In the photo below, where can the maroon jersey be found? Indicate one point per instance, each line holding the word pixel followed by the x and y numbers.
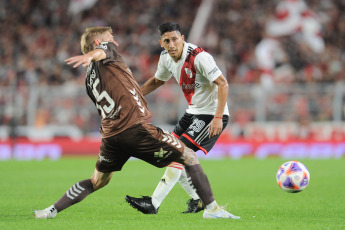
pixel 116 94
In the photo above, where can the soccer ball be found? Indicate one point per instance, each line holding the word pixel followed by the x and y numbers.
pixel 293 176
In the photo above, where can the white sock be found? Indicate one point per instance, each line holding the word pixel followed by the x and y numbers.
pixel 187 185
pixel 52 210
pixel 169 179
pixel 212 206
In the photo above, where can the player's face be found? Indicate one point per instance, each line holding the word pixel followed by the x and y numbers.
pixel 173 43
pixel 108 37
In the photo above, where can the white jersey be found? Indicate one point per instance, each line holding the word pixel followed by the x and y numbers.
pixel 195 73
pixel 268 52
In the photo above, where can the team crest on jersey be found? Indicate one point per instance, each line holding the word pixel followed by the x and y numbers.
pixel 189 72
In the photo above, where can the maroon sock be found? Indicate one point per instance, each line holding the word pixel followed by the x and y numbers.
pixel 75 194
pixel 200 183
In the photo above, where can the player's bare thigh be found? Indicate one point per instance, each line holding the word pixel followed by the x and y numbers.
pixel 188 158
pixel 99 179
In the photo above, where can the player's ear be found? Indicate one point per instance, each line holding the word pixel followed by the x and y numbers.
pixel 160 42
pixel 182 36
pixel 97 42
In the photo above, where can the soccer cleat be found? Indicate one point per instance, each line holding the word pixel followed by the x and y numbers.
pixel 48 213
pixel 194 206
pixel 219 213
pixel 143 204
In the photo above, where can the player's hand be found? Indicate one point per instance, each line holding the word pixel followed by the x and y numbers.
pixel 216 127
pixel 83 60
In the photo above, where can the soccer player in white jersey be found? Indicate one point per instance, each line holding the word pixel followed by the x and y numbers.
pixel 205 89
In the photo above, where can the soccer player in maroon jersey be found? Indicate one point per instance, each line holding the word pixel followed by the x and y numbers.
pixel 205 89
pixel 123 110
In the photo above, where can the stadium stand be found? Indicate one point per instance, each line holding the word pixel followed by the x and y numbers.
pixel 38 91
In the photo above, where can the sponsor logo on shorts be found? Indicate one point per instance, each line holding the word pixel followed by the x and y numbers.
pixel 102 158
pixel 160 153
pixel 191 132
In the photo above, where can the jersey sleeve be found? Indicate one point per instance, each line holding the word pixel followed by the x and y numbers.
pixel 110 50
pixel 162 72
pixel 206 66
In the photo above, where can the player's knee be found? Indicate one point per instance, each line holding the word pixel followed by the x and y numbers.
pixel 172 174
pixel 189 157
pixel 99 183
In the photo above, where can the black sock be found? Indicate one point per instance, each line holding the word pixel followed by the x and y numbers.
pixel 200 183
pixel 75 194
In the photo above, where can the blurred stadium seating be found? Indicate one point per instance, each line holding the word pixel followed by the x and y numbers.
pixel 42 98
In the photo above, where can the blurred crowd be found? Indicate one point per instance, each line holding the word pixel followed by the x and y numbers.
pixel 38 35
pixel 304 39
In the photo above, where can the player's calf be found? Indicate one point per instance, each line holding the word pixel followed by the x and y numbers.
pixel 196 176
pixel 73 195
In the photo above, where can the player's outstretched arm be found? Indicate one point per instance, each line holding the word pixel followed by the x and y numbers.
pixel 86 59
pixel 150 85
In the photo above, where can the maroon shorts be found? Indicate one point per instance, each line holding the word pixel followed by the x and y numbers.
pixel 143 141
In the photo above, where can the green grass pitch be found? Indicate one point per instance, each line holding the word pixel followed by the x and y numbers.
pixel 248 186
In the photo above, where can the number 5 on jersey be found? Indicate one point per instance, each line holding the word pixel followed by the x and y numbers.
pixel 99 97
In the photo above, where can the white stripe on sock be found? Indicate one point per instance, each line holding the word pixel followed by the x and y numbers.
pixel 187 185
pixel 76 190
pixel 69 196
pixel 71 191
pixel 79 187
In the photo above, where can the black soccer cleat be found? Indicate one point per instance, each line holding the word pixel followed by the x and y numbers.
pixel 194 206
pixel 143 204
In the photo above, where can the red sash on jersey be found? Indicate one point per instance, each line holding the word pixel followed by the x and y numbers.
pixel 188 74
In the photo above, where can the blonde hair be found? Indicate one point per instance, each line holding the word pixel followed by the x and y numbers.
pixel 87 40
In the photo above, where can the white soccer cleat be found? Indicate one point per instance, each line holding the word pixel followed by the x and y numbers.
pixel 48 213
pixel 219 213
